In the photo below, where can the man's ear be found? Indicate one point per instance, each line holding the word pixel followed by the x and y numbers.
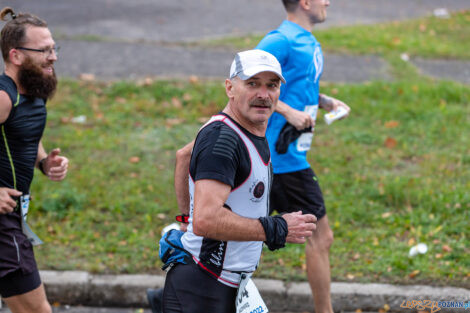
pixel 229 88
pixel 15 57
pixel 304 4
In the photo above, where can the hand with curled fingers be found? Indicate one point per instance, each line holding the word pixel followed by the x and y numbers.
pixel 299 119
pixel 55 166
pixel 7 203
pixel 300 226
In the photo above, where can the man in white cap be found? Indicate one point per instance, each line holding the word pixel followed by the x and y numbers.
pixel 229 183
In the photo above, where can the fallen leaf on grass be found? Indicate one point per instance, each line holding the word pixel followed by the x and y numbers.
pixel 390 143
pixel 134 159
pixel 87 77
pixel 193 79
pixel 176 103
pixel 386 214
pixel 202 119
pixel 414 274
pixel 187 97
pixel 446 248
pixel 392 124
pixel 120 100
pixel 169 122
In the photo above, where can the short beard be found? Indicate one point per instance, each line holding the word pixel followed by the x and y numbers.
pixel 35 83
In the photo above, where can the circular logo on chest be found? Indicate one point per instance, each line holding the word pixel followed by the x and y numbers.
pixel 258 191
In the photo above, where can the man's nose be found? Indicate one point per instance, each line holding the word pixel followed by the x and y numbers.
pixel 52 56
pixel 263 92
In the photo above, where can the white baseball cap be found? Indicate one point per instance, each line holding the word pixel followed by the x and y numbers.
pixel 251 62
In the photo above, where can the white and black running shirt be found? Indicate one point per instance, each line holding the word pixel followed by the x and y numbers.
pixel 226 152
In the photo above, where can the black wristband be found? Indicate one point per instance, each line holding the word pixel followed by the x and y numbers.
pixel 275 228
pixel 41 165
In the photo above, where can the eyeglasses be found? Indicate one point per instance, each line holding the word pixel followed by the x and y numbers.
pixel 46 52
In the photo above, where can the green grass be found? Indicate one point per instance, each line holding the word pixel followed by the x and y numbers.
pixel 430 37
pixel 396 172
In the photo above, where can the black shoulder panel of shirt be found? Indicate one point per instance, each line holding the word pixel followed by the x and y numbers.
pixel 220 154
pixel 260 143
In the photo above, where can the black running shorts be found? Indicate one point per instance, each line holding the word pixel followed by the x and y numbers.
pixel 189 290
pixel 16 251
pixel 296 191
pixel 17 283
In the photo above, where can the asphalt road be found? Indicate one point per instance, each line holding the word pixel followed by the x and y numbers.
pixel 121 39
pixel 188 20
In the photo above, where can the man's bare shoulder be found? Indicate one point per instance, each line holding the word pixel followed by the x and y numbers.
pixel 5 106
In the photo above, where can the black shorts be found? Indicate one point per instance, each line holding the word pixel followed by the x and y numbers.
pixel 296 191
pixel 16 251
pixel 17 283
pixel 188 289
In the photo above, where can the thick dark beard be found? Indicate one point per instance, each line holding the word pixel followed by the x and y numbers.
pixel 35 83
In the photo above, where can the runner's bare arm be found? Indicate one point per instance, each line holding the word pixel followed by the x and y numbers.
pixel 5 106
pixel 298 119
pixel 211 219
pixel 329 104
pixel 183 157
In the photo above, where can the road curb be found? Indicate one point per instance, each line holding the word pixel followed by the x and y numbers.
pixel 82 288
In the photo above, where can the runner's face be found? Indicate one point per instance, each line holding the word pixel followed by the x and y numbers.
pixel 317 11
pixel 40 38
pixel 255 99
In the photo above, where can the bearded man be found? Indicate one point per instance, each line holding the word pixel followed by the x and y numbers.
pixel 29 53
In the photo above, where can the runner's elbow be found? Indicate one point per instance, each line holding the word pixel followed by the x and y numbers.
pixel 201 225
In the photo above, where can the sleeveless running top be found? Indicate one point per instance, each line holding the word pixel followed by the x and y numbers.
pixel 19 137
pixel 225 260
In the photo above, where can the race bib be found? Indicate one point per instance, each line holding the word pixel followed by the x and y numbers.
pixel 305 140
pixel 248 298
pixel 32 237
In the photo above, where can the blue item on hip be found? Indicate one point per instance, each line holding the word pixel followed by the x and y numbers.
pixel 171 250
